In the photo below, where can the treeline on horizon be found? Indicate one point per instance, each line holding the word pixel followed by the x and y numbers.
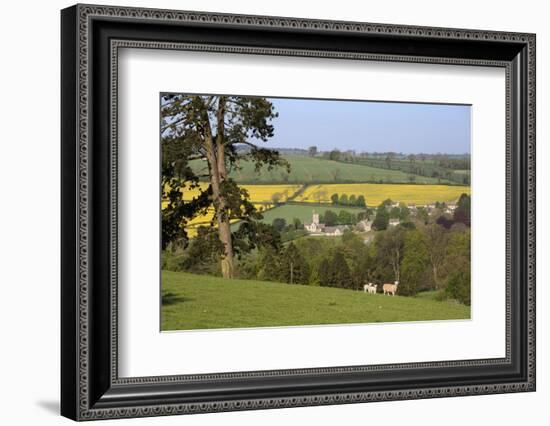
pixel 313 151
pixel 426 251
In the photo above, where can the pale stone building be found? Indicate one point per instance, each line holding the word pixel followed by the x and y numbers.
pixel 314 227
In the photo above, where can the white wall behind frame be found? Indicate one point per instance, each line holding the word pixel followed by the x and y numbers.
pixel 29 364
pixel 145 352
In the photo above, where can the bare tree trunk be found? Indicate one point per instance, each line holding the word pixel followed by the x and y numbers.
pixel 227 261
pixel 434 271
pixel 224 228
pixel 436 244
pixel 224 225
pixel 215 153
pixel 396 259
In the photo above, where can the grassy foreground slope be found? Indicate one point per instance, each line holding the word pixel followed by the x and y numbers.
pixel 192 301
pixel 307 170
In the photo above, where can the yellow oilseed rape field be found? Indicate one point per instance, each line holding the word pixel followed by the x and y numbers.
pixel 375 193
pixel 205 219
pixel 257 193
pixel 260 195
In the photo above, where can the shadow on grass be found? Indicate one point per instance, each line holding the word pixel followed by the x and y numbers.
pixel 172 299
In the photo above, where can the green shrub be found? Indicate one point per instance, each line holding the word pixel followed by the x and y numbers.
pixel 458 287
pixel 172 260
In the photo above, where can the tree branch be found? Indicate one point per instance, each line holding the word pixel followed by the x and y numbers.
pixel 173 124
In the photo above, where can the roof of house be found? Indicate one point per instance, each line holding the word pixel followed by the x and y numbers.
pixel 331 229
pixel 320 225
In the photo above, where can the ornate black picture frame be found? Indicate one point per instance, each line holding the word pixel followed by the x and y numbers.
pixel 91 387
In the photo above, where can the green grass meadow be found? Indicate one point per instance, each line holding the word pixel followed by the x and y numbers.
pixel 308 170
pixel 191 302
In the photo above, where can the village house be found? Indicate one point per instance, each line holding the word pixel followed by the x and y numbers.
pixel 316 228
pixel 393 222
pixel 430 207
pixel 450 208
pixel 334 231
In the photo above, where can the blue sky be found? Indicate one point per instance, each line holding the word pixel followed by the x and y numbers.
pixel 371 126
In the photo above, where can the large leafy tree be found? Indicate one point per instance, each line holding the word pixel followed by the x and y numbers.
pixel 339 271
pixel 414 264
pixel 219 132
pixel 458 267
pixel 269 264
pixel 293 267
pixel 462 212
pixel 436 238
pixel 458 286
pixel 382 218
pixel 330 218
pixel 324 273
pixel 390 249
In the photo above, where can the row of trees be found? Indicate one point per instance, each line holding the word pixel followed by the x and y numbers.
pixel 408 218
pixel 440 166
pixel 343 200
pixel 454 162
pixel 329 218
pixel 429 258
pixel 425 257
pixel 344 217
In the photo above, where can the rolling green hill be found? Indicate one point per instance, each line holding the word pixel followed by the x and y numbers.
pixel 191 302
pixel 317 170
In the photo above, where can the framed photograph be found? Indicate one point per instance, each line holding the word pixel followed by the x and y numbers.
pixel 263 212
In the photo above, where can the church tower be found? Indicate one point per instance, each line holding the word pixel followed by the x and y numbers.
pixel 316 218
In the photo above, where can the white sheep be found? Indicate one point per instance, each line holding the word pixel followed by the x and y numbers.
pixel 370 288
pixel 390 288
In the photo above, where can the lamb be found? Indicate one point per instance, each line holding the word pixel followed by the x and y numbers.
pixel 370 288
pixel 390 288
